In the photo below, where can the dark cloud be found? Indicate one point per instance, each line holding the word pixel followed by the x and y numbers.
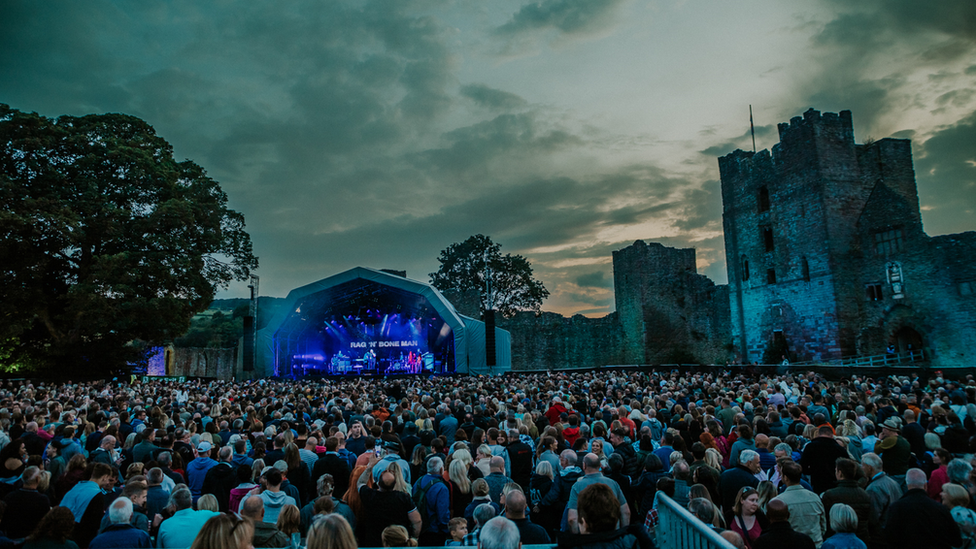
pixel 956 98
pixel 503 138
pixel 702 208
pixel 556 21
pixel 492 98
pixel 603 302
pixel 764 134
pixel 867 53
pixel 597 279
pixel 945 170
pixel 564 16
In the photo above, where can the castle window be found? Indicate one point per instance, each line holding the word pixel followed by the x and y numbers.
pixel 889 241
pixel 767 234
pixel 745 268
pixel 805 267
pixel 763 199
pixel 874 292
pixel 771 276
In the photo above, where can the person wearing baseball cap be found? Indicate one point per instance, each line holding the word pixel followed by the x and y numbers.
pixel 390 453
pixel 196 470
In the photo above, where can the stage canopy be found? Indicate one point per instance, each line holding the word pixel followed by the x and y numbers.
pixel 364 321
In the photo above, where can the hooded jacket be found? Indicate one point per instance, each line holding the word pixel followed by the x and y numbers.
pixel 219 481
pixel 273 502
pixel 196 472
pixel 268 535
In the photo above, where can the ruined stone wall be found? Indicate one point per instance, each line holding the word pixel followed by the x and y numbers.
pixel 668 312
pixel 199 362
pixel 552 341
pixel 827 200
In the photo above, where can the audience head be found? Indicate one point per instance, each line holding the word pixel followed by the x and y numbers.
pixel 598 508
pixel 331 532
pixel 843 519
pixel 225 531
pixel 499 533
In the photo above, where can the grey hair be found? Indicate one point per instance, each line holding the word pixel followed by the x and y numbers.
pixel 165 459
pixel 181 498
pixel 873 461
pixel 154 476
pixel 746 456
pixel 31 474
pixel 499 533
pixel 702 509
pixel 484 512
pixel 120 512
pixel 783 447
pixel 544 468
pixel 843 519
pixel 958 471
pixel 915 477
pixel 435 466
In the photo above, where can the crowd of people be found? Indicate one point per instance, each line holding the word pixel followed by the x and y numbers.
pixel 582 460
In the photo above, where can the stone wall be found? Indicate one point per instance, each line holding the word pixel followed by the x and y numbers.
pixel 200 362
pixel 552 341
pixel 802 229
pixel 668 312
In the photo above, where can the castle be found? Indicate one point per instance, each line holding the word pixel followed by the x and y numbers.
pixel 826 254
pixel 826 259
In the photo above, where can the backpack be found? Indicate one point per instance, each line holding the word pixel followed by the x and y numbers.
pixel 420 500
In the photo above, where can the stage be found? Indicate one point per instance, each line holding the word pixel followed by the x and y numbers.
pixel 364 322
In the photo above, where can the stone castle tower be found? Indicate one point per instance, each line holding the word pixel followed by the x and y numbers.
pixel 827 256
pixel 668 313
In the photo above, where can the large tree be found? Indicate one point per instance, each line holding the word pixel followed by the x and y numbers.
pixel 466 265
pixel 105 239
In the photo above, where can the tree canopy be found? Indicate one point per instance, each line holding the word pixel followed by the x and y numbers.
pixel 466 265
pixel 105 239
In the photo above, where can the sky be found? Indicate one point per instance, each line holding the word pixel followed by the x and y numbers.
pixel 377 133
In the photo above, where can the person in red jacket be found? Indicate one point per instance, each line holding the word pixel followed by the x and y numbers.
pixel 572 432
pixel 555 410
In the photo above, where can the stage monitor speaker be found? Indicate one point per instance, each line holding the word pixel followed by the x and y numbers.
pixel 490 337
pixel 248 343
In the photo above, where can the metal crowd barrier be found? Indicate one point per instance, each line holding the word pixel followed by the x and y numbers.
pixel 679 529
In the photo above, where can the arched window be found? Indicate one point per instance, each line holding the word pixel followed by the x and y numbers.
pixel 806 270
pixel 745 268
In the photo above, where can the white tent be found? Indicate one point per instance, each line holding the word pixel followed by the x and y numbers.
pixel 362 285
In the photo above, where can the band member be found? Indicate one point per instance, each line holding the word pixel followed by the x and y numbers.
pixel 370 359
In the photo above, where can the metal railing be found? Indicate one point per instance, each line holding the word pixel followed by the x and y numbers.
pixel 876 361
pixel 679 529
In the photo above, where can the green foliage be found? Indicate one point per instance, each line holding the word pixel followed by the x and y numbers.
pixel 219 331
pixel 464 266
pixel 105 239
